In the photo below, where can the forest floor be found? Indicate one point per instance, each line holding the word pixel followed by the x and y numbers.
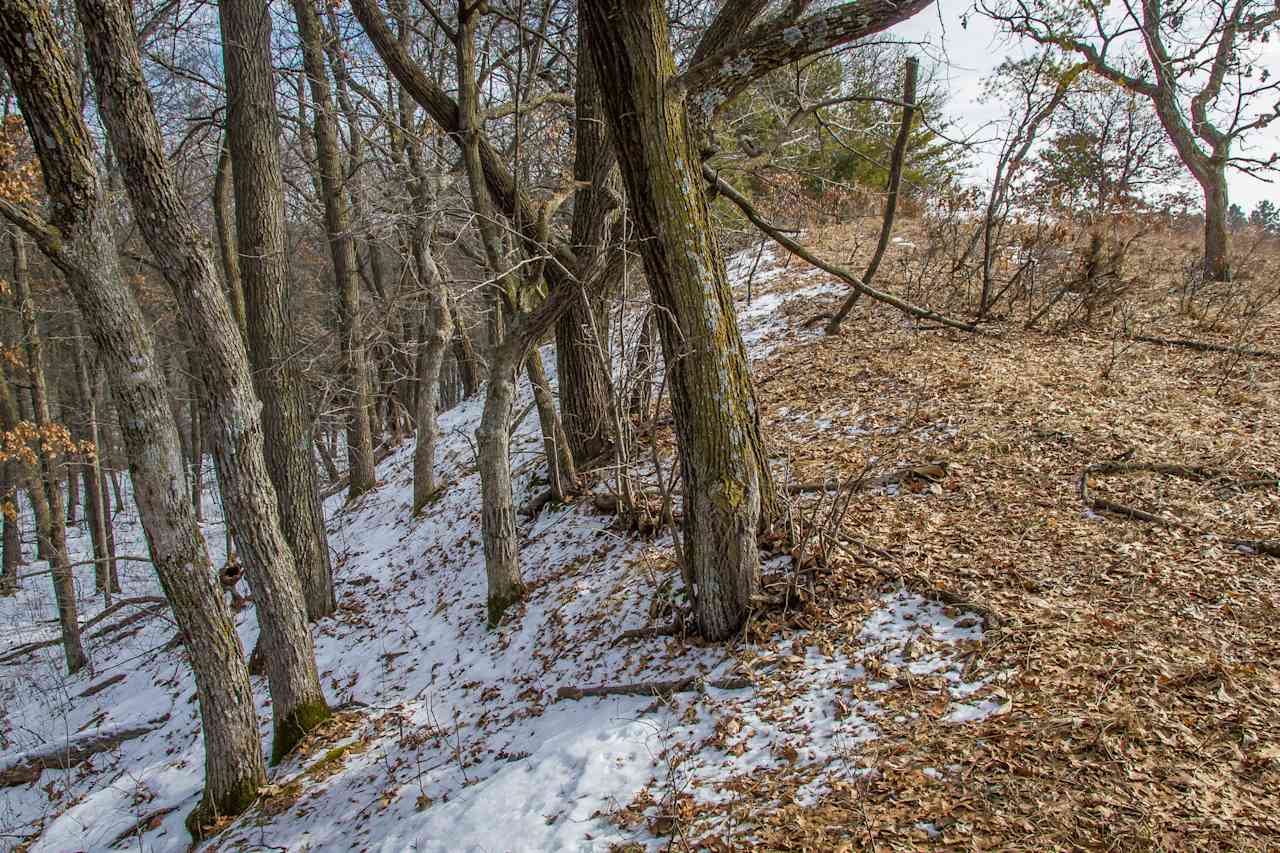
pixel 980 661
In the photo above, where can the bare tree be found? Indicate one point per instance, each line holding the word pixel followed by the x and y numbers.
pixel 124 103
pixel 78 240
pixel 1197 62
pixel 252 130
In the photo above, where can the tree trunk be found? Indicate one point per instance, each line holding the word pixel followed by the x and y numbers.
pixel 253 130
pixel 464 354
pixel 562 474
pixel 436 327
pixel 230 408
pixel 646 364
pixel 1217 236
pixel 728 489
pixel 79 241
pixel 228 252
pixel 342 250
pixel 11 540
pixel 497 514
pixel 105 483
pixel 197 450
pixel 71 472
pixel 92 472
pixel 53 529
pixel 582 346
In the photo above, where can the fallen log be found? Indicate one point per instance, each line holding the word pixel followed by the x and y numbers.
pixel 25 768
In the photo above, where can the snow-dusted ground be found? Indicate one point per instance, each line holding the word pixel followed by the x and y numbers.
pixel 460 742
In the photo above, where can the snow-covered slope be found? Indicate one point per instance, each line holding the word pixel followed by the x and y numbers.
pixel 453 736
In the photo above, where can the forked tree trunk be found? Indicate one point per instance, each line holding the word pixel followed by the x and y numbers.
pixel 253 131
pixel 728 489
pixel 230 407
pixel 79 241
pixel 52 529
pixel 342 251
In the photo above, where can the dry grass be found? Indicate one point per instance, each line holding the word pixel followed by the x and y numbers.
pixel 1141 663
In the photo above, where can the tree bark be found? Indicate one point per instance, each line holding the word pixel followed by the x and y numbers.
pixel 728 488
pixel 582 347
pixel 437 325
pixel 253 131
pixel 92 473
pixel 342 250
pixel 1217 236
pixel 53 530
pixel 497 514
pixel 230 408
pixel 228 251
pixel 11 540
pixel 562 473
pixel 79 241
pixel 107 514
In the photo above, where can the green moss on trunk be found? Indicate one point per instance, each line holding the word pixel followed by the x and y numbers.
pixel 498 605
pixel 206 815
pixel 292 727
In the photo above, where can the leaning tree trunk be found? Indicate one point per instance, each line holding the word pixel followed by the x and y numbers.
pixel 342 250
pixel 253 131
pixel 728 490
pixel 230 408
pixel 53 529
pixel 79 241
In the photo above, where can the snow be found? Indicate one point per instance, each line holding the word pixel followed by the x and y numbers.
pixel 459 742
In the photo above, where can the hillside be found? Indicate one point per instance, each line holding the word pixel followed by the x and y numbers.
pixel 979 660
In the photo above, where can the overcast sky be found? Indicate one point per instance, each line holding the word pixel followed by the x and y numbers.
pixel 969 54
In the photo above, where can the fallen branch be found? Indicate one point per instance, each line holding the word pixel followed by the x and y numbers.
pixel 1205 346
pixel 25 768
pixel 155 601
pixel 725 189
pixel 930 472
pixel 661 689
pixel 143 823
pixel 102 685
pixel 1270 547
pixel 669 630
pixel 86 563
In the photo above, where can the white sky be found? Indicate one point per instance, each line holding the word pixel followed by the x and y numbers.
pixel 968 55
